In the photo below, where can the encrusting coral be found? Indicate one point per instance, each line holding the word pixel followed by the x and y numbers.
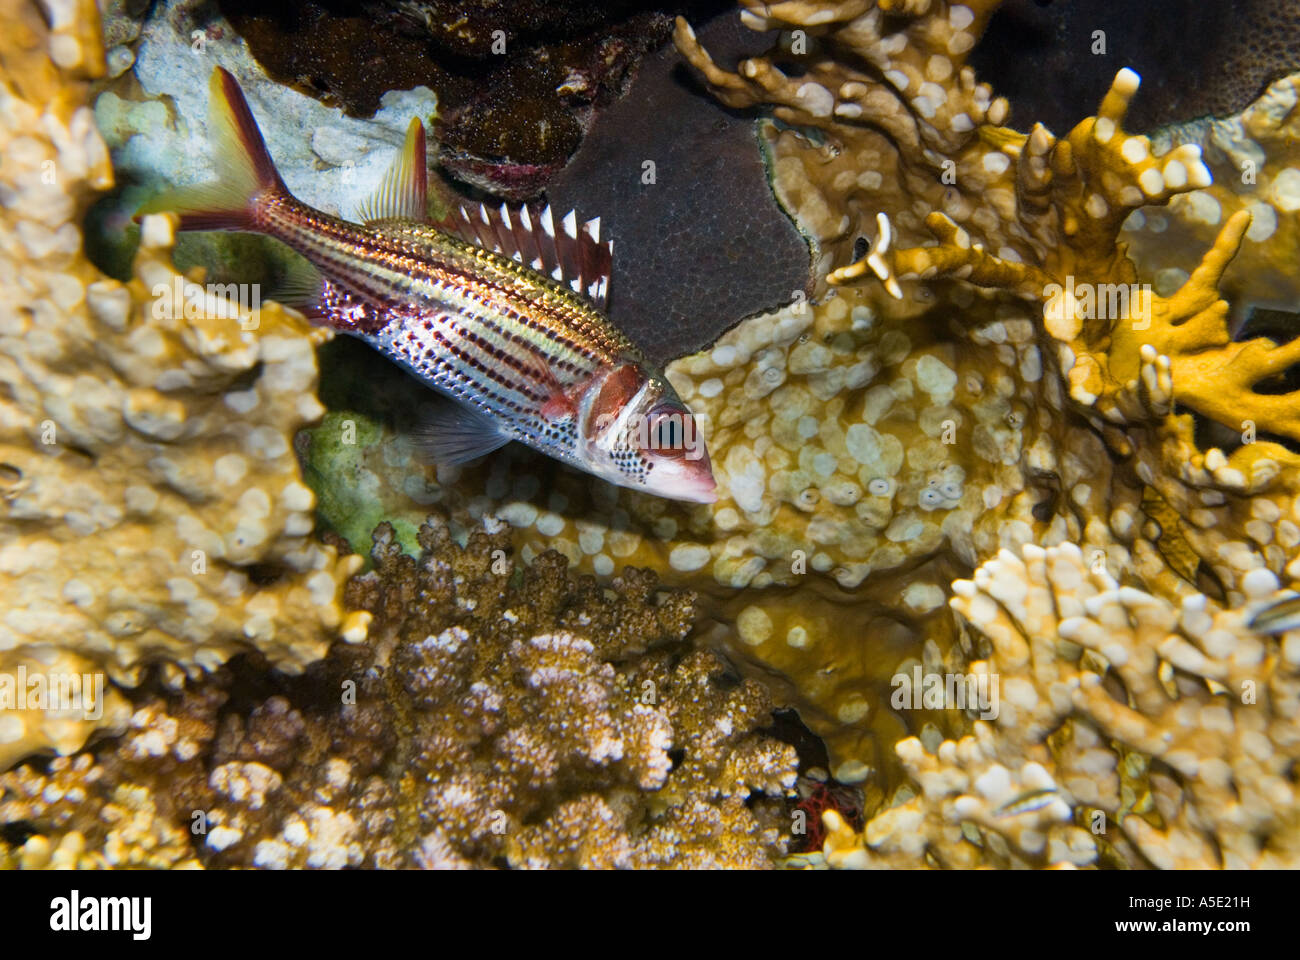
pixel 152 506
pixel 1050 215
pixel 1121 380
pixel 985 449
pixel 872 448
pixel 1255 161
pixel 1175 723
pixel 499 716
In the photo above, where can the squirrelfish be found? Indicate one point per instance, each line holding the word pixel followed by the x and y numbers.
pixel 499 310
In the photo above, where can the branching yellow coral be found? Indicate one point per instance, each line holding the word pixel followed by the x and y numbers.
pixel 1059 205
pixel 871 449
pixel 1000 461
pixel 1038 218
pixel 1093 303
pixel 1255 160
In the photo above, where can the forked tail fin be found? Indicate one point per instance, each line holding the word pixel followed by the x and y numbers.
pixel 246 175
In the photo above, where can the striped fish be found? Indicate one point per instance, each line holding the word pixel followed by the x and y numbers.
pixel 499 310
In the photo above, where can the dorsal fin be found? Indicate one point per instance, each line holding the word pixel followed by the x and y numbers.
pixel 530 235
pixel 403 192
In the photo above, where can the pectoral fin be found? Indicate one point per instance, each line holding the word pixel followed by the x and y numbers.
pixel 302 287
pixel 457 433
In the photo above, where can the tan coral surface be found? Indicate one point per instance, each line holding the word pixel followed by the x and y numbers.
pixel 1132 732
pixel 499 715
pixel 152 507
pixel 1128 377
pixel 1093 482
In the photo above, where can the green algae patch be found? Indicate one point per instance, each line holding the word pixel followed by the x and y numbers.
pixel 352 498
pixel 359 460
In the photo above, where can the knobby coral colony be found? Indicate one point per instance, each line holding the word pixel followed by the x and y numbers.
pixel 970 455
pixel 154 515
pixel 492 719
pixel 153 508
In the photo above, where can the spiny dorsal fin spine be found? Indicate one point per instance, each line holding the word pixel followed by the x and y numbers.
pixel 573 255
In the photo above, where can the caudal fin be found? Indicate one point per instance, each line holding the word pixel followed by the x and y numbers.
pixel 246 175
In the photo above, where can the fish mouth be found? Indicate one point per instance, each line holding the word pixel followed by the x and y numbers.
pixel 703 490
pixel 710 497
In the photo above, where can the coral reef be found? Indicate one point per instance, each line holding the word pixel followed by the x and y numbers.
pixel 152 505
pixel 699 241
pixel 1113 396
pixel 985 448
pixel 869 451
pixel 883 441
pixel 1256 167
pixel 1173 722
pixel 499 716
pixel 1053 60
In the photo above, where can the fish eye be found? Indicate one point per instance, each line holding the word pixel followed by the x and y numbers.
pixel 669 426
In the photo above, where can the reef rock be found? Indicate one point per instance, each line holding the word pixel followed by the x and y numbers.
pixel 152 504
pixel 499 715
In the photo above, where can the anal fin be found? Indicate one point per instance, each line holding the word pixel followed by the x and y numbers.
pixel 301 286
pixel 457 433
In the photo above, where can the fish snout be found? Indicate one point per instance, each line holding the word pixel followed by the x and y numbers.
pixel 693 479
pixel 700 489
